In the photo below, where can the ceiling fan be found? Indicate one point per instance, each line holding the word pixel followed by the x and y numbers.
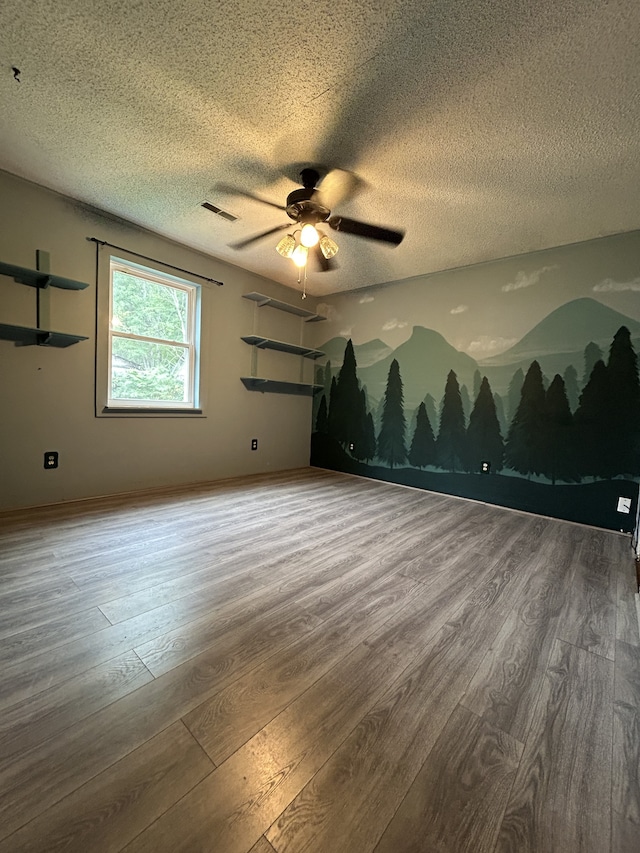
pixel 310 207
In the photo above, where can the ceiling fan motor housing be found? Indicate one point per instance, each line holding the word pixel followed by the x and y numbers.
pixel 302 207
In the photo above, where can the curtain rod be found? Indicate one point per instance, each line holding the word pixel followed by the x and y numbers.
pixel 154 260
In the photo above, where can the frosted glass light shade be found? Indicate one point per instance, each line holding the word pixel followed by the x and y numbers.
pixel 328 248
pixel 299 256
pixel 286 246
pixel 308 236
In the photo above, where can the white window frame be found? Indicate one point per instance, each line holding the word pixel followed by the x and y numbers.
pixel 191 345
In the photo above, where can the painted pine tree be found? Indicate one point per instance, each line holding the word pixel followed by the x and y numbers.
pixel 322 420
pixel 484 440
pixel 591 424
pixel 333 409
pixel 624 406
pixel 592 354
pixel 391 446
pixel 452 439
pixel 369 439
pixel 423 446
pixel 347 400
pixel 513 393
pixel 570 378
pixel 524 446
pixel 559 459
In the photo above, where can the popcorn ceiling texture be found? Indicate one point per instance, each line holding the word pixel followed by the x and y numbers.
pixel 486 128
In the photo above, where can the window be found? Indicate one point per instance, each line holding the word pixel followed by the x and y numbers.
pixel 153 339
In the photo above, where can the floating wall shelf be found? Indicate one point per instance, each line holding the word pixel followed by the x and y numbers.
pixel 277 386
pixel 262 300
pixel 281 346
pixel 36 278
pixel 26 337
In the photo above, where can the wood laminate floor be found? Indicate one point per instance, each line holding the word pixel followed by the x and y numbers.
pixel 313 662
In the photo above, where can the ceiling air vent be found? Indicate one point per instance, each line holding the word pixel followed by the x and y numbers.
pixel 223 213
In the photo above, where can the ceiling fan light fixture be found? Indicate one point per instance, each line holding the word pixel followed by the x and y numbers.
pixel 286 246
pixel 328 248
pixel 309 236
pixel 299 255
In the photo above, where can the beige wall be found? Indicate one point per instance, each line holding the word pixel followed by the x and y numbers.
pixel 47 395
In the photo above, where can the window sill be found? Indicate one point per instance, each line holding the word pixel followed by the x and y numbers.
pixel 148 411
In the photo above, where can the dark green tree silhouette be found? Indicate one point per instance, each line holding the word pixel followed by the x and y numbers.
pixel 558 445
pixel 345 407
pixel 484 441
pixel 513 393
pixel 391 446
pixel 451 442
pixel 592 354
pixel 623 455
pixel 423 445
pixel 369 439
pixel 570 377
pixel 524 447
pixel 466 403
pixel 502 419
pixel 432 411
pixel 477 382
pixel 322 419
pixel 333 408
pixel 359 436
pixel 327 379
pixel 591 425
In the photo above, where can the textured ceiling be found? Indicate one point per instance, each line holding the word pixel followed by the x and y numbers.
pixel 485 128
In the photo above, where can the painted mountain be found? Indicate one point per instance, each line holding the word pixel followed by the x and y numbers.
pixel 366 354
pixel 559 340
pixel 425 359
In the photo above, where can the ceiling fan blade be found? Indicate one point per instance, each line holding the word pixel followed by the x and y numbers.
pixel 242 244
pixel 324 264
pixel 229 190
pixel 365 229
pixel 337 186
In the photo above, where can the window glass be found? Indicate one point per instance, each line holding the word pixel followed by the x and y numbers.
pixel 153 339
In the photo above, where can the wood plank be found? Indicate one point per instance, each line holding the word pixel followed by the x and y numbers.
pixel 457 800
pixel 28 723
pixel 49 635
pixel 98 741
pixel 231 717
pixel 358 790
pixel 337 574
pixel 262 846
pixel 506 686
pixel 119 803
pixel 44 611
pixel 589 617
pixel 627 621
pixel 242 798
pixel 237 803
pixel 626 750
pixel 561 799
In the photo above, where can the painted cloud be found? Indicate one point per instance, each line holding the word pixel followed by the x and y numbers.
pixel 524 279
pixel 609 285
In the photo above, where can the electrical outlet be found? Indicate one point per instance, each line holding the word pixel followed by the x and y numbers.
pixel 51 459
pixel 624 505
pixel 254 443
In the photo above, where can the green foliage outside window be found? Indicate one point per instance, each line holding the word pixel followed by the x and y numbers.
pixel 156 369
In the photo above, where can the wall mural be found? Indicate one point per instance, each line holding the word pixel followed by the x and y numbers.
pixel 546 421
